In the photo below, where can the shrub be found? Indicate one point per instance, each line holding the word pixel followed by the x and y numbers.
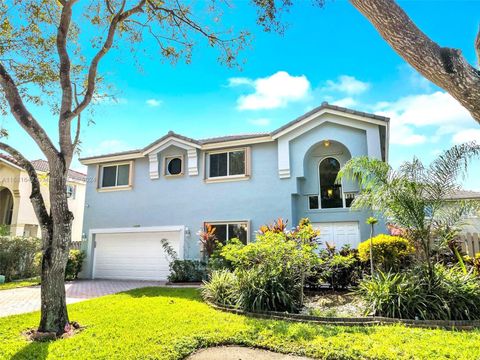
pixel 17 256
pixel 448 294
pixel 271 271
pixel 74 264
pixel 339 270
pixel 389 252
pixel 221 288
pixel 186 271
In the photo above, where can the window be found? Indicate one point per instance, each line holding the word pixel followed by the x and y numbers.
pixel 115 176
pixel 173 165
pixel 231 230
pixel 330 191
pixel 228 163
pixel 71 191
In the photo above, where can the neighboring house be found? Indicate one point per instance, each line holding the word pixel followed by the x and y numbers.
pixel 471 222
pixel 172 187
pixel 16 210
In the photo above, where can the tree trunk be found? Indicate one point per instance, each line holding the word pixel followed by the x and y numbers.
pixel 56 244
pixel 445 67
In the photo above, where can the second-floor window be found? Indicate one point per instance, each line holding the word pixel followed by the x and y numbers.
pixel 71 190
pixel 113 176
pixel 227 163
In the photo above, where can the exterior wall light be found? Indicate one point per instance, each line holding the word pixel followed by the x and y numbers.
pixel 330 193
pixel 326 143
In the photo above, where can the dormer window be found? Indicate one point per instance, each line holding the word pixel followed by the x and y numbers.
pixel 173 165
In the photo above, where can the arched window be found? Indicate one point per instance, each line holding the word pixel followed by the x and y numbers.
pixel 6 207
pixel 330 192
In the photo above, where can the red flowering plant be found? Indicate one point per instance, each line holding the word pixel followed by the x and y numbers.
pixel 208 240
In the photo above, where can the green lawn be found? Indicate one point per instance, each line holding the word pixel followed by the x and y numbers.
pixel 20 283
pixel 162 323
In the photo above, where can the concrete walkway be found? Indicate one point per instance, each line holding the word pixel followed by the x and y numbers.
pixel 240 353
pixel 27 299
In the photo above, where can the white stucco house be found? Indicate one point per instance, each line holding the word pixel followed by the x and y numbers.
pixel 16 210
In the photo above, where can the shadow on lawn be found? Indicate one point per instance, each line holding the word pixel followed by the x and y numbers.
pixel 192 294
pixel 303 330
pixel 34 350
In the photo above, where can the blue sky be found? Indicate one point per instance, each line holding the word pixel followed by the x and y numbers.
pixel 331 54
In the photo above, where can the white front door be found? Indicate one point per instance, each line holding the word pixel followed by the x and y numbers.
pixel 134 255
pixel 339 233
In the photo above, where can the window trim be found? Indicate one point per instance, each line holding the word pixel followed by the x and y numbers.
pixel 320 185
pixel 237 177
pixel 100 168
pixel 165 165
pixel 230 222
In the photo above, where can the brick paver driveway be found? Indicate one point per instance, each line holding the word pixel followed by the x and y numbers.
pixel 27 299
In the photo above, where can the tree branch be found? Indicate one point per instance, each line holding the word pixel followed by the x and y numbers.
pixel 23 116
pixel 445 67
pixel 92 71
pixel 36 195
pixel 477 46
pixel 64 74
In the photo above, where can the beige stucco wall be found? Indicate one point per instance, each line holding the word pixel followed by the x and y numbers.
pixel 18 182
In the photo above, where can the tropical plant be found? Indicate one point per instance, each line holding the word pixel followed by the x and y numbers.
pixel 208 240
pixel 340 270
pixel 371 221
pixel 187 271
pixel 415 197
pixel 391 253
pixel 17 257
pixel 271 270
pixel 221 288
pixel 448 295
pixel 74 264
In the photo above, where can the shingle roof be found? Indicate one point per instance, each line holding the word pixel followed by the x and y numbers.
pixel 42 165
pixel 324 105
pixel 465 195
pixel 8 158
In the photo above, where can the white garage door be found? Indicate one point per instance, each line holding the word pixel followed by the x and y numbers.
pixel 134 255
pixel 339 233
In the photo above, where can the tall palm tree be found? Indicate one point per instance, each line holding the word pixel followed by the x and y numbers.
pixel 415 197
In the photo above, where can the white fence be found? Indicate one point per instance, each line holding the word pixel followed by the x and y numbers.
pixel 471 243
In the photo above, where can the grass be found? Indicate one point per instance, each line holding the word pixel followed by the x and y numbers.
pixel 163 323
pixel 20 283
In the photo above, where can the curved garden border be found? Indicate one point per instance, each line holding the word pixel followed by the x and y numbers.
pixel 355 321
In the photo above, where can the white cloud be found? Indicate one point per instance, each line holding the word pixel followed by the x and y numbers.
pixel 260 122
pixel 275 91
pixel 236 81
pixel 438 110
pixel 345 102
pixel 466 136
pixel 154 102
pixel 347 84
pixel 107 147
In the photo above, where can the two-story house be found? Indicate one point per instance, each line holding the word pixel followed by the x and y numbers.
pixel 172 187
pixel 16 209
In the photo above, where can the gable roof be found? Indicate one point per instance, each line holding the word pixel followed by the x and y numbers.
pixel 42 165
pixel 265 136
pixel 326 106
pixel 465 195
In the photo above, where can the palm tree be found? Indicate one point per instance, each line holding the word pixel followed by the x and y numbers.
pixel 371 221
pixel 415 197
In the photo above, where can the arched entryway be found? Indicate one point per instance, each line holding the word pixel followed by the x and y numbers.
pixel 6 206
